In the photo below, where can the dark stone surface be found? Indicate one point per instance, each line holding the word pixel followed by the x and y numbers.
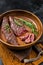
pixel 31 5
pixel 35 6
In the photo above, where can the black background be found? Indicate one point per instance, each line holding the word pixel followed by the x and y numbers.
pixel 35 6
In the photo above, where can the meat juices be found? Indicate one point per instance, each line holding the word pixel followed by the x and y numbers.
pixel 18 30
pixel 6 30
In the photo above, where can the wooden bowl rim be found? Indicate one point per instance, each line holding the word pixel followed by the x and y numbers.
pixel 28 13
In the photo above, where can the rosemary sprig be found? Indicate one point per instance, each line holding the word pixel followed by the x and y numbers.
pixel 29 24
pixel 7 27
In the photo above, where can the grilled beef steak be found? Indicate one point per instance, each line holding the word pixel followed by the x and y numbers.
pixel 18 30
pixel 28 37
pixel 8 33
pixel 24 37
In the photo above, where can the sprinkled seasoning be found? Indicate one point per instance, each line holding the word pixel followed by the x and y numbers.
pixel 7 27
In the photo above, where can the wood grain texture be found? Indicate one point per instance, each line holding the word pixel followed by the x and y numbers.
pixel 9 58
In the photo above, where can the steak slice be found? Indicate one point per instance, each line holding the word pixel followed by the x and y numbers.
pixel 30 38
pixel 18 30
pixel 7 32
pixel 24 37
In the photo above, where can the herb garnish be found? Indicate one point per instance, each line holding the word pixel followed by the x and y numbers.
pixel 31 25
pixel 17 22
pixel 7 27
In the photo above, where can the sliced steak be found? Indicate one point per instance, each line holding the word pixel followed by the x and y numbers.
pixel 27 40
pixel 30 38
pixel 6 30
pixel 18 30
pixel 24 37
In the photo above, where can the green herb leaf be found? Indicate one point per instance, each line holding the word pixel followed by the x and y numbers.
pixel 19 24
pixel 35 31
pixel 28 23
pixel 7 27
pixel 31 25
